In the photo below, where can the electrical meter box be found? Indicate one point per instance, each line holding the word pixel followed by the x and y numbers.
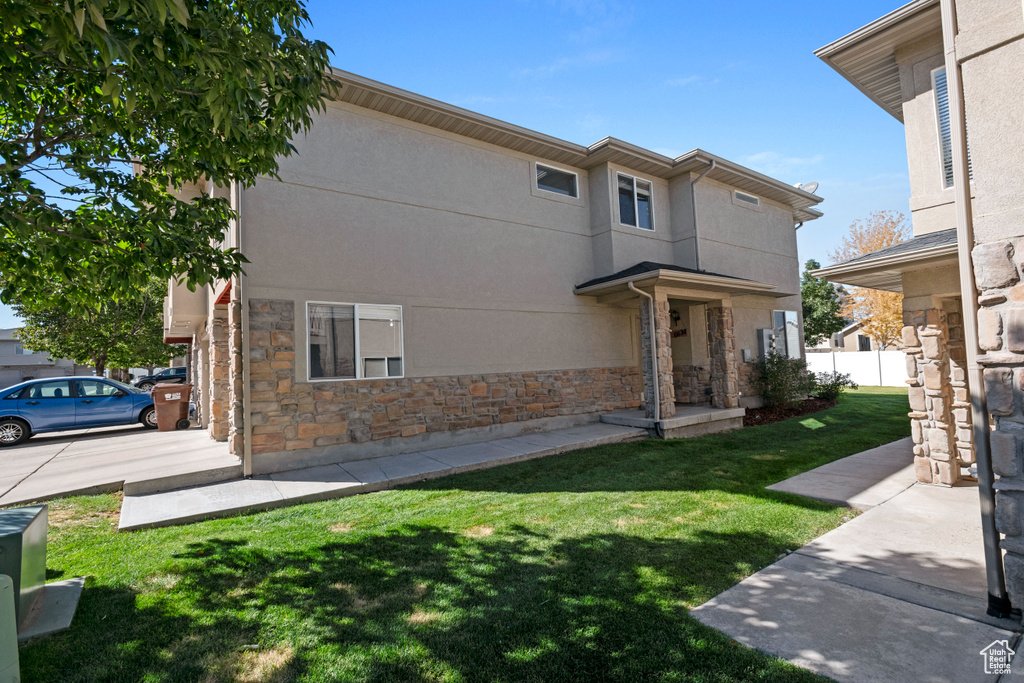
pixel 765 342
pixel 23 555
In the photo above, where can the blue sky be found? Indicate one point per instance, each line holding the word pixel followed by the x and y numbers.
pixel 738 79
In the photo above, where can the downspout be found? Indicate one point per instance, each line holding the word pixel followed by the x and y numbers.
pixel 998 602
pixel 693 205
pixel 655 374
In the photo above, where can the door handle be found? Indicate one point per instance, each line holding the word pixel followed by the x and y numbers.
pixel 32 403
pixel 87 401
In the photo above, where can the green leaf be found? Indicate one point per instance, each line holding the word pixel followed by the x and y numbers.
pixel 97 16
pixel 79 20
pixel 179 12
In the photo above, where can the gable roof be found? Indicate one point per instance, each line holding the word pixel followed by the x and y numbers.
pixel 867 57
pixel 380 97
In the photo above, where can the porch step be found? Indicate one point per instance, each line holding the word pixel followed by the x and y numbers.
pixel 688 421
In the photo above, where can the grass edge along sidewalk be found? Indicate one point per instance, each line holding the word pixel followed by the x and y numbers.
pixel 580 566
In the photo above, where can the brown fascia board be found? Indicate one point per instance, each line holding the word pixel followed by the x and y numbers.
pixel 856 39
pixel 655 164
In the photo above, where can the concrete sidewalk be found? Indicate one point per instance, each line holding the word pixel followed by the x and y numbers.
pixel 896 594
pixel 105 459
pixel 360 476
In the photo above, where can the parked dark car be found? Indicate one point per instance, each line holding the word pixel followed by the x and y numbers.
pixel 53 405
pixel 168 376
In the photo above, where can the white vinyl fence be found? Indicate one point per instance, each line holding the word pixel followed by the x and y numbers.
pixel 867 368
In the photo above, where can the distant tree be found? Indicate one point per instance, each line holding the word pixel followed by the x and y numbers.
pixel 822 303
pixel 118 334
pixel 881 312
pixel 107 107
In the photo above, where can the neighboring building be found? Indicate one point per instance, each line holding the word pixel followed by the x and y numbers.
pixel 899 61
pixel 18 364
pixel 850 339
pixel 423 276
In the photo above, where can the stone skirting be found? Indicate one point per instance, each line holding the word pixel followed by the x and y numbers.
pixel 288 415
pixel 692 383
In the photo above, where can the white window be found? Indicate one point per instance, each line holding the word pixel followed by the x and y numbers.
pixel 787 333
pixel 635 206
pixel 557 181
pixel 945 134
pixel 748 198
pixel 354 341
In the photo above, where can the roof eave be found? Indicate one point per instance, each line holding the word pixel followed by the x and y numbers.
pixel 722 284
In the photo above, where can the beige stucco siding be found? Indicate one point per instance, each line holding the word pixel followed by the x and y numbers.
pixel 373 210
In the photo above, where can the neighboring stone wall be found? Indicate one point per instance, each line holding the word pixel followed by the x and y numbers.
pixel 722 348
pixel 932 396
pixel 997 268
pixel 663 332
pixel 220 372
pixel 692 383
pixel 287 415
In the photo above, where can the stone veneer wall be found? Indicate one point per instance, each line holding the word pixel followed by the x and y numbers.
pixel 220 371
pixel 939 400
pixel 722 347
pixel 997 273
pixel 288 415
pixel 691 383
pixel 663 332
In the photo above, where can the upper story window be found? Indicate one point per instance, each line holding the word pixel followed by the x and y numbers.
pixel 354 341
pixel 945 133
pixel 557 181
pixel 635 202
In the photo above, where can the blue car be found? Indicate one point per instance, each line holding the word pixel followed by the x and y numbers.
pixel 53 405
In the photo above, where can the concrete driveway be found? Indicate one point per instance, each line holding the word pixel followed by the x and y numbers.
pixel 110 458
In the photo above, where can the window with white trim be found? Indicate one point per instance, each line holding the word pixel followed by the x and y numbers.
pixel 635 203
pixel 354 341
pixel 557 181
pixel 941 89
pixel 787 333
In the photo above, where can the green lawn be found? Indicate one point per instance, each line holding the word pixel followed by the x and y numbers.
pixel 575 567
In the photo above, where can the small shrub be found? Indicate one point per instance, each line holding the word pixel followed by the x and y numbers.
pixel 782 381
pixel 830 385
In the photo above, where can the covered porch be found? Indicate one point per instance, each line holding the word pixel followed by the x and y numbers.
pixel 689 355
pixel 925 270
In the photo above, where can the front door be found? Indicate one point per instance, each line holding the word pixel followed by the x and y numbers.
pixel 99 403
pixel 48 405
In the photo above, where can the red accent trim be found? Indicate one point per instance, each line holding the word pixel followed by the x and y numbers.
pixel 225 296
pixel 177 340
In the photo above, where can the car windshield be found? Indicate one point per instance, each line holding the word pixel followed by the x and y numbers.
pixel 125 387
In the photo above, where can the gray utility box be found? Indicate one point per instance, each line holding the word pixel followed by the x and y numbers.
pixel 23 555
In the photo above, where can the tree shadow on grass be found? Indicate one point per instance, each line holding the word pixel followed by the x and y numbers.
pixel 422 603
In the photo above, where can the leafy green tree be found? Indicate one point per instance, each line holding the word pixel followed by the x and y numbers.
pixel 108 106
pixel 118 334
pixel 823 304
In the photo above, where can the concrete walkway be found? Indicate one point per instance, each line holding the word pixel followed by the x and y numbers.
pixel 105 459
pixel 860 481
pixel 360 476
pixel 896 594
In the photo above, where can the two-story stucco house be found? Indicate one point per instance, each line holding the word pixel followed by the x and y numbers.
pixel 18 364
pixel 423 276
pixel 951 71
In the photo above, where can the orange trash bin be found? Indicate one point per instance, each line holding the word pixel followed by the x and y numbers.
pixel 171 404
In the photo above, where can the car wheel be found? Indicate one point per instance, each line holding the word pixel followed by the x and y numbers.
pixel 12 431
pixel 146 386
pixel 148 418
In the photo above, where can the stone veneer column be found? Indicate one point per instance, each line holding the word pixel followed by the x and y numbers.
pixel 931 397
pixel 1001 338
pixel 958 382
pixel 236 413
pixel 722 349
pixel 220 371
pixel 663 330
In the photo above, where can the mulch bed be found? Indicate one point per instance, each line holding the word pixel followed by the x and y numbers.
pixel 764 416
